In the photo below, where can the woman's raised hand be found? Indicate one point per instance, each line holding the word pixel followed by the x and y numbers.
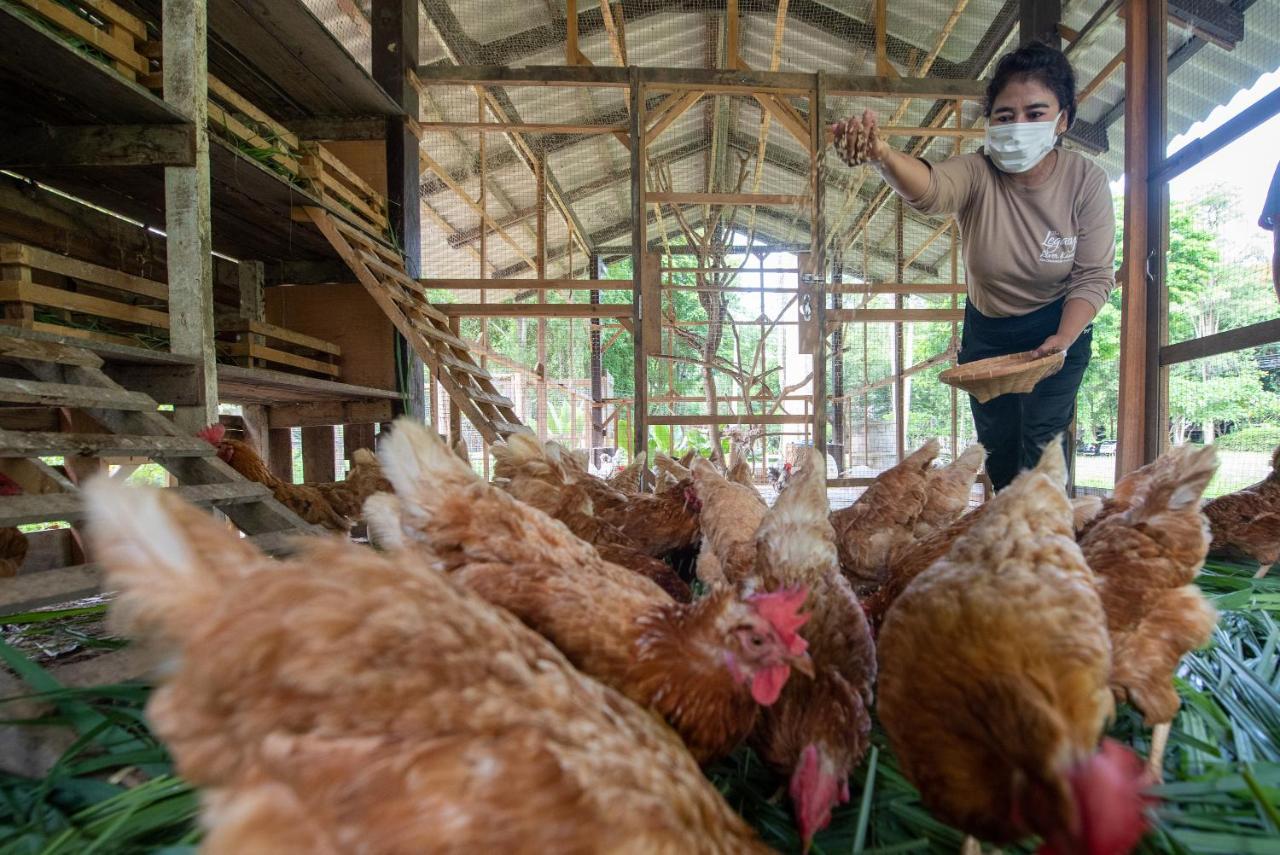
pixel 858 141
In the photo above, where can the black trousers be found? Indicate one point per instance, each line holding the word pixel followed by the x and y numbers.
pixel 1016 428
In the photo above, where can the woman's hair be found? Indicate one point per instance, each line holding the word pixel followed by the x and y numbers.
pixel 1041 63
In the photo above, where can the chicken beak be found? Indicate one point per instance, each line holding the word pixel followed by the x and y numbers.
pixel 803 664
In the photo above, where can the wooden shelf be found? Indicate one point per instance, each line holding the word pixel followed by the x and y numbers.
pixel 251 205
pixel 43 79
pixel 238 385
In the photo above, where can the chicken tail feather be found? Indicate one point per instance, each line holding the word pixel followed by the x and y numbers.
pixel 168 559
pixel 1180 484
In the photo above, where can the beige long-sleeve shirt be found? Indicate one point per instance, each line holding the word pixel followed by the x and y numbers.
pixel 1027 247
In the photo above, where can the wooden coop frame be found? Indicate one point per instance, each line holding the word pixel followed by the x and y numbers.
pixel 337 201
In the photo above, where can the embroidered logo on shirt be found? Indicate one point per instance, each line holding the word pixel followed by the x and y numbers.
pixel 1057 248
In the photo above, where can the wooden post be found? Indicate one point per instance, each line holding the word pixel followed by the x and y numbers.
pixel 540 174
pixel 595 270
pixel 1038 21
pixel 455 414
pixel 1156 377
pixel 189 239
pixel 250 275
pixel 395 56
pixel 818 263
pixel 280 453
pixel 639 251
pixel 838 405
pixel 355 437
pixel 900 359
pixel 571 32
pixel 318 462
pixel 883 69
pixel 1139 331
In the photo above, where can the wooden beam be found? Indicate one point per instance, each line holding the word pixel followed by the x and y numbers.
pixel 189 243
pixel 317 413
pixel 655 198
pixel 518 127
pixel 535 310
pixel 443 175
pixel 896 288
pixel 613 26
pixel 881 11
pixel 731 23
pixel 1102 76
pixel 724 81
pixel 818 261
pixel 98 145
pixel 639 255
pixel 571 51
pixel 1228 132
pixel 394 40
pixel 731 419
pixel 853 316
pixel 318 454
pixel 527 284
pixel 1231 341
pixel 1134 330
pixel 250 277
pixel 681 106
pixel 279 453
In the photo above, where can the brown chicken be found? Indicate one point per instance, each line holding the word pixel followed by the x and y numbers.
pixel 819 729
pixel 1247 522
pixel 739 470
pixel 627 479
pixel 730 515
pixel 948 488
pixel 538 481
pixel 13 543
pixel 345 701
pixel 669 471
pixel 604 498
pixel 365 478
pixel 883 519
pixel 305 500
pixel 1145 560
pixel 706 667
pixel 994 669
pixel 916 557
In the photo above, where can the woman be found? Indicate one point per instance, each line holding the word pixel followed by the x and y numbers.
pixel 1039 242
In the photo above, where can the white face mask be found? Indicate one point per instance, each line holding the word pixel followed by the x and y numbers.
pixel 1018 146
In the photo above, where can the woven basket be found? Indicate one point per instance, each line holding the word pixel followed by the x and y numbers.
pixel 1003 375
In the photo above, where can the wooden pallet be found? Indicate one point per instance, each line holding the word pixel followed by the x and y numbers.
pixel 255 344
pixel 403 299
pixel 100 28
pixel 44 291
pixel 344 192
pixel 64 376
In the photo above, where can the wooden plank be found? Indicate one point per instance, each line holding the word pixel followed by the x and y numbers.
pixel 818 261
pixel 849 316
pixel 57 298
pixel 896 288
pixel 1237 126
pixel 32 256
pixel 527 284
pixel 69 395
pixel 46 587
pixel 1100 78
pixel 12 347
pixel 229 96
pixel 654 198
pixel 1230 341
pixel 535 310
pixel 640 259
pixel 113 14
pixel 518 127
pixel 730 81
pixel 121 51
pixel 282 357
pixel 188 217
pixel 652 313
pixel 571 32
pixel 682 105
pixel 22 510
pixel 56 444
pixel 248 325
pixel 318 454
pixel 97 145
pixel 731 419
pixel 280 452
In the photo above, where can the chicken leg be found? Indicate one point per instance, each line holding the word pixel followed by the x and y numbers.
pixel 1262 570
pixel 971 846
pixel 1159 740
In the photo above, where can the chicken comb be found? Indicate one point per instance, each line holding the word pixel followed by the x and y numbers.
pixel 213 434
pixel 8 486
pixel 782 610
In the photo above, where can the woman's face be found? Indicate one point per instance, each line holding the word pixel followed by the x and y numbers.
pixel 1027 100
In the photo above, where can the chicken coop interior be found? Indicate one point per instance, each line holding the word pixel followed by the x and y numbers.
pixel 456 304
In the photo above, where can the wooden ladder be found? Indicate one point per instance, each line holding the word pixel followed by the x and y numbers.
pixel 403 299
pixel 67 376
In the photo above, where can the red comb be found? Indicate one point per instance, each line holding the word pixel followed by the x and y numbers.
pixel 213 434
pixel 1110 789
pixel 782 610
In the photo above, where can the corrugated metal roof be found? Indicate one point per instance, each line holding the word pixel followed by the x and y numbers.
pixel 832 36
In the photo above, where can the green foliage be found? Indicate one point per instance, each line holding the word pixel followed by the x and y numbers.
pixel 1255 438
